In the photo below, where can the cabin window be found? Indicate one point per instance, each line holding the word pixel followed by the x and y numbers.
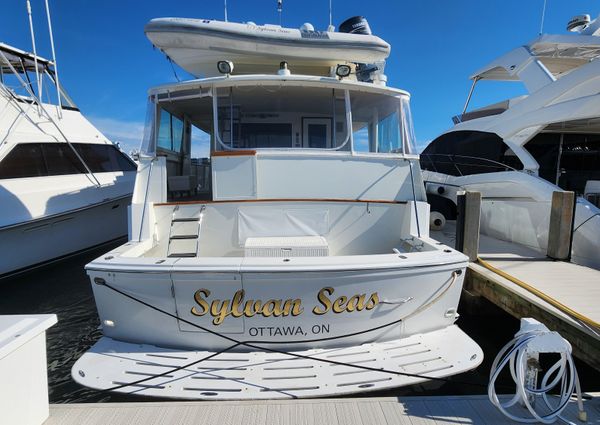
pixel 104 158
pixel 24 160
pixel 55 159
pixel 267 135
pixel 462 153
pixel 170 132
pixel 381 124
pixel 60 159
pixel 257 117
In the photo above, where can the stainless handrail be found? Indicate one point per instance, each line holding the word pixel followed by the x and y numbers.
pixel 452 161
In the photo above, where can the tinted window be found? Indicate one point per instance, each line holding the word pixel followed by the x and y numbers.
pixel 103 158
pixel 54 159
pixel 469 152
pixel 575 162
pixel 266 135
pixel 580 161
pixel 23 160
pixel 544 148
pixel 60 159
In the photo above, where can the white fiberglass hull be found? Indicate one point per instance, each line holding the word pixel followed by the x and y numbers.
pixel 516 208
pixel 392 312
pixel 42 240
pixel 303 307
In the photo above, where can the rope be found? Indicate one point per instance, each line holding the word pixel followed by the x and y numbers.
pixel 557 304
pixel 252 344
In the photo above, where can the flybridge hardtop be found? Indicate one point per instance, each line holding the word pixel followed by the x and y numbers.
pixel 20 59
pixel 560 54
pixel 197 44
pixel 547 57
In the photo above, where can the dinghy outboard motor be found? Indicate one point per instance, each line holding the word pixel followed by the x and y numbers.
pixel 355 25
pixel 359 25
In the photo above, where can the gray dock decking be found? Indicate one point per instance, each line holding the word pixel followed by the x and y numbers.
pixel 347 411
pixel 574 286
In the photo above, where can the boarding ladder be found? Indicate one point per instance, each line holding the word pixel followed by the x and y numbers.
pixel 184 233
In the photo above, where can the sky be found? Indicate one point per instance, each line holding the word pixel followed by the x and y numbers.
pixel 107 64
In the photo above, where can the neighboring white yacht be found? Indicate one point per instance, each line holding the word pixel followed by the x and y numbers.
pixel 517 152
pixel 63 186
pixel 314 238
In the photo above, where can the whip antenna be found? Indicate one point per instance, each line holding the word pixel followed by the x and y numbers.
pixel 54 60
pixel 225 1
pixel 543 15
pixel 330 15
pixel 35 61
pixel 279 9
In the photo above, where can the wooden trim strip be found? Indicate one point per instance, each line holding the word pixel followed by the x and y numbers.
pixel 364 201
pixel 233 153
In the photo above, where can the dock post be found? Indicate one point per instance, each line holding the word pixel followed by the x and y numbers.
pixel 467 223
pixel 560 233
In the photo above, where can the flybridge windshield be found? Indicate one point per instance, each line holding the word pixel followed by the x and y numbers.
pixel 17 75
pixel 263 116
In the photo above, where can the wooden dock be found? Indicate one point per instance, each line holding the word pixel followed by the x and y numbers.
pixel 347 411
pixel 574 286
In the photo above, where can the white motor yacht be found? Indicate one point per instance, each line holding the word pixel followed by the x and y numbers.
pixel 306 271
pixel 64 187
pixel 519 151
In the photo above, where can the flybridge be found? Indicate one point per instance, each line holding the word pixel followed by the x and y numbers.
pixel 18 71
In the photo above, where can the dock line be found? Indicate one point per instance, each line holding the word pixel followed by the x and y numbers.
pixel 595 327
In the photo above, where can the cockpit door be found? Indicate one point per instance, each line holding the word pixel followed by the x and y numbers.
pixel 316 133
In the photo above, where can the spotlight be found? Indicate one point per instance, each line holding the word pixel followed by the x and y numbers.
pixel 283 69
pixel 343 71
pixel 225 67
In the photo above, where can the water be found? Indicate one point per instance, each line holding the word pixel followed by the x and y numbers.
pixel 64 289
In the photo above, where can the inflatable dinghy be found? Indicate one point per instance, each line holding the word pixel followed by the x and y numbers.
pixel 198 44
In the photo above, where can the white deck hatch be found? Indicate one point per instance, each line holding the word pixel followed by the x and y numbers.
pixel 291 246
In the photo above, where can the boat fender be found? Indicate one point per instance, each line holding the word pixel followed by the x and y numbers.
pixel 437 221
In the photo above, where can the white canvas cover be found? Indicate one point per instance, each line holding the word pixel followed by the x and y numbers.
pixel 271 222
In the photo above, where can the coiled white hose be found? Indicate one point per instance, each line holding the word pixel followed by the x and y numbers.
pixel 535 338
